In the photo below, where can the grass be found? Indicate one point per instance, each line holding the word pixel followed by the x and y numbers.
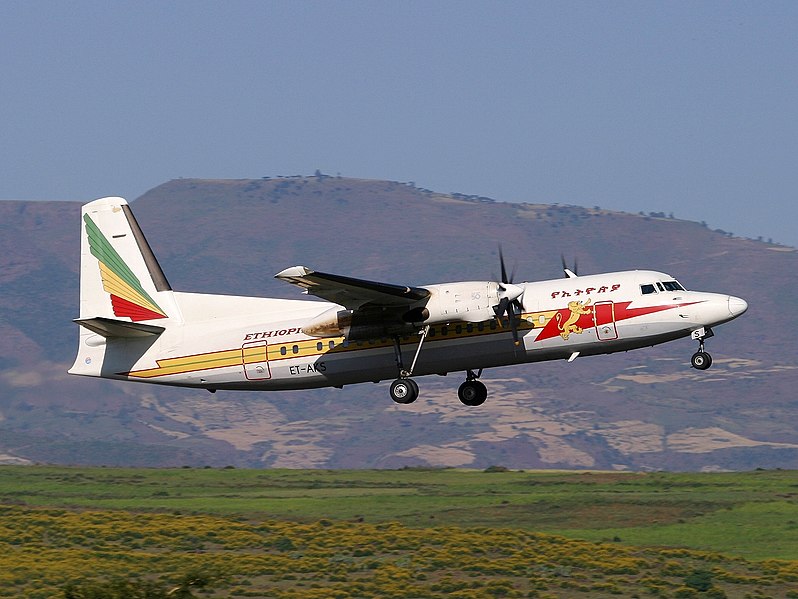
pixel 750 514
pixel 755 530
pixel 298 534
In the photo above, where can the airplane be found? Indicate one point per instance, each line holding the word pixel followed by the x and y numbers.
pixel 135 327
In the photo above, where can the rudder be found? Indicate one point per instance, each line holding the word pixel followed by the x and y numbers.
pixel 119 275
pixel 123 291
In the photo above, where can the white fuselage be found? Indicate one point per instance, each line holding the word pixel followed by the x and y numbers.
pixel 257 343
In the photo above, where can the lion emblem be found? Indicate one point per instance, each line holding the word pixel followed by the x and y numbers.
pixel 570 326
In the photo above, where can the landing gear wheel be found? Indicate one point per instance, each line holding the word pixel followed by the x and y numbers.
pixel 404 391
pixel 472 393
pixel 701 360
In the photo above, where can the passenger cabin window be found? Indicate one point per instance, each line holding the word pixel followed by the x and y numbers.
pixel 648 289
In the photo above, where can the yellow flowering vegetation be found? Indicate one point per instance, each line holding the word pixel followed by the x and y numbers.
pixel 46 552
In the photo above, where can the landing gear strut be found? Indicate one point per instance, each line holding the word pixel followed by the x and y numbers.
pixel 472 392
pixel 404 390
pixel 701 360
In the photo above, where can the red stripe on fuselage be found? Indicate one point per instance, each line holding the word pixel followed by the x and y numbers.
pixel 622 310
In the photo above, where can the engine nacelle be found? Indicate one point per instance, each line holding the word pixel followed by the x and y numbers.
pixel 330 323
pixel 469 301
pixel 356 327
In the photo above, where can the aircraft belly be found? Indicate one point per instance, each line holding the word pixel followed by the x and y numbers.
pixel 495 350
pixel 364 364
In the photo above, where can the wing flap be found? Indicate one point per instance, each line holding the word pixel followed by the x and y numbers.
pixel 350 292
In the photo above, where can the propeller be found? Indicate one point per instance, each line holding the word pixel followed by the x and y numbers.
pixel 569 273
pixel 509 304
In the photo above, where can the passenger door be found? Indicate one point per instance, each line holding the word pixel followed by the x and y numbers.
pixel 604 319
pixel 255 358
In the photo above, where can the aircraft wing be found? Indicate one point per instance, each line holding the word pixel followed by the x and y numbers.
pixel 352 293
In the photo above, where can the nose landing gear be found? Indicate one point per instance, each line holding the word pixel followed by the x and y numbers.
pixel 701 360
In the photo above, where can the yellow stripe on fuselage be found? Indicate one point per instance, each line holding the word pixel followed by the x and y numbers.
pixel 319 347
pixel 167 366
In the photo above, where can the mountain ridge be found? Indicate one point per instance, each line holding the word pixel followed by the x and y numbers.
pixel 642 410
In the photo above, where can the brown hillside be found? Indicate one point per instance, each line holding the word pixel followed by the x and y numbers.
pixel 645 409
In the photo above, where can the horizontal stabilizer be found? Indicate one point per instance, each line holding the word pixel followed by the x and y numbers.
pixel 108 327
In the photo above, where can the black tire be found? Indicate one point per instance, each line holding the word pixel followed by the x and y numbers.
pixel 472 393
pixel 701 360
pixel 404 391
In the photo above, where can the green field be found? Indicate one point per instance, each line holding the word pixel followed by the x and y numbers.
pixel 753 515
pixel 651 530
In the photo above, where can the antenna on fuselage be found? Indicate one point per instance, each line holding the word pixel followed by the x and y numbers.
pixel 569 274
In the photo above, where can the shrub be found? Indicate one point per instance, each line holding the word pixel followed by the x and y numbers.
pixel 700 580
pixel 496 469
pixel 284 544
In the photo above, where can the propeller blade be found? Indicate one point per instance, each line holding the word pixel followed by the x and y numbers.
pixel 508 299
pixel 511 316
pixel 504 270
pixel 501 307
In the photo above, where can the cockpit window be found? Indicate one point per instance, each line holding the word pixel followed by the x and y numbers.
pixel 660 287
pixel 673 286
pixel 647 289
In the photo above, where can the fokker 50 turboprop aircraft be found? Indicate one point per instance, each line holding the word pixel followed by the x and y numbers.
pixel 134 327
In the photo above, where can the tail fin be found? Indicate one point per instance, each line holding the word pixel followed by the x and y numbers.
pixel 123 291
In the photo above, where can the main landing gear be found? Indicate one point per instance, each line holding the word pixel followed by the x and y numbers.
pixel 701 360
pixel 473 391
pixel 404 390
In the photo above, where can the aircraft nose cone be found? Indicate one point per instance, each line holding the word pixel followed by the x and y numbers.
pixel 737 305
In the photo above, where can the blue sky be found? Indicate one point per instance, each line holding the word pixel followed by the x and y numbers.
pixel 688 108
